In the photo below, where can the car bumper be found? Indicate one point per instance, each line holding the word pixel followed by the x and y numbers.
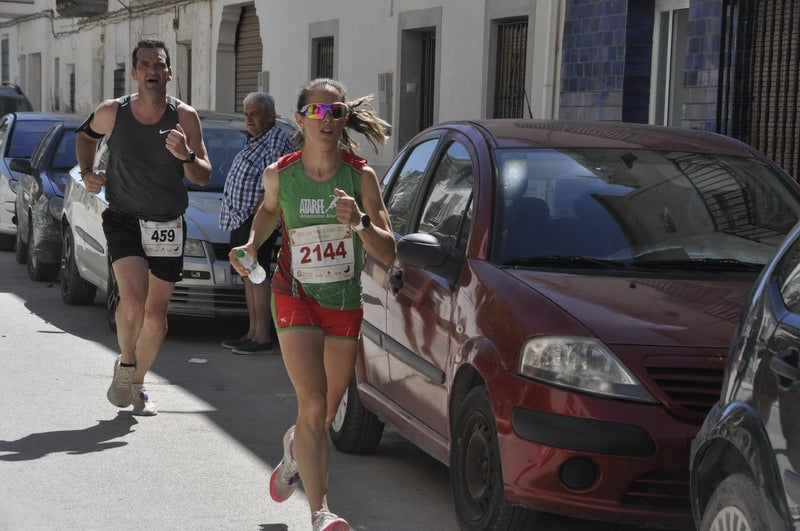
pixel 607 460
pixel 208 289
pixel 47 240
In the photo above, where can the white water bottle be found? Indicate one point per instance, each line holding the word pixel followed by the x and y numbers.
pixel 257 273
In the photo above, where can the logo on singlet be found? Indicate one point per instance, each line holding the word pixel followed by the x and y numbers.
pixel 317 208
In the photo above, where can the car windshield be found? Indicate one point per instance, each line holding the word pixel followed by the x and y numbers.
pixel 223 144
pixel 26 136
pixel 638 208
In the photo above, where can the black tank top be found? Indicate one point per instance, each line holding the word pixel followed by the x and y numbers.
pixel 143 178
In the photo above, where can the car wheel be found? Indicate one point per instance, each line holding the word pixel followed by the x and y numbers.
pixel 22 248
pixel 354 429
pixel 112 299
pixel 74 289
pixel 36 269
pixel 735 506
pixel 7 242
pixel 476 477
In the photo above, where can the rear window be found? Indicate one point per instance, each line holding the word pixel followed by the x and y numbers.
pixel 25 136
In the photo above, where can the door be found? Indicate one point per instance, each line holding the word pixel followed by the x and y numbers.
pixel 419 318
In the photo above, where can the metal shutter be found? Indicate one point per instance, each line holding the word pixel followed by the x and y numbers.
pixel 248 55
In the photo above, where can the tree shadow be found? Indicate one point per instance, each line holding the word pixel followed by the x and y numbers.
pixel 75 442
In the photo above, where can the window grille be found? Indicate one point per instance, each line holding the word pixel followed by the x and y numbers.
pixel 512 42
pixel 428 69
pixel 323 66
pixel 759 87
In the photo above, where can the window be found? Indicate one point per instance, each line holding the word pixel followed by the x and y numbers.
pixel 407 184
pixel 4 66
pixel 512 42
pixel 119 81
pixel 323 57
pixel 669 56
pixel 446 211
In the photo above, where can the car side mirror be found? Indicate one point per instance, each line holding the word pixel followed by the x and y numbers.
pixel 21 165
pixel 421 250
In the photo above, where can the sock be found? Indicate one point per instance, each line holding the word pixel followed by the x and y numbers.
pixel 127 364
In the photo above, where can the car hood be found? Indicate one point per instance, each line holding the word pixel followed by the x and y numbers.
pixel 647 311
pixel 202 217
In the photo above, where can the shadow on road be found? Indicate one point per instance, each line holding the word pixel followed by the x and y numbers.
pixel 75 442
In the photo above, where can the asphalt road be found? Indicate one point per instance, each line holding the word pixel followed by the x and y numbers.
pixel 70 460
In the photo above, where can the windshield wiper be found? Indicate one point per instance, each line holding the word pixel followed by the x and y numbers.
pixel 567 261
pixel 707 264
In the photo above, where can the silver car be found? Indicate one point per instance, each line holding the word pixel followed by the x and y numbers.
pixel 210 286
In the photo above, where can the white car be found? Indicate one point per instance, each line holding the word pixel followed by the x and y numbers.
pixel 210 287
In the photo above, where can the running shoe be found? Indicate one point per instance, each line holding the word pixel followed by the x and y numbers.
pixel 285 478
pixel 120 391
pixel 141 402
pixel 324 520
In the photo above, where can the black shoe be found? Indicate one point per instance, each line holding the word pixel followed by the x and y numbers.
pixel 233 343
pixel 251 347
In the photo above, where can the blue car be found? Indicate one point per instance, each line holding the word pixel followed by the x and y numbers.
pixel 20 133
pixel 40 199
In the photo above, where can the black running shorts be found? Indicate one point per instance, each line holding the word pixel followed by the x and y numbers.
pixel 124 238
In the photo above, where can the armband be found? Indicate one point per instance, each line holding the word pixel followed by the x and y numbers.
pixel 87 129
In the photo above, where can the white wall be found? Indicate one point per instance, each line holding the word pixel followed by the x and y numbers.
pixel 367 46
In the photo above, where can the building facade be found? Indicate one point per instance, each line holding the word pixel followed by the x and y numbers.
pixel 729 66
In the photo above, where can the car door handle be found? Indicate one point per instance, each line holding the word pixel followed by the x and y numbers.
pixel 782 366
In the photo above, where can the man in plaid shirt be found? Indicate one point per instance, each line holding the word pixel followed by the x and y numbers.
pixel 243 191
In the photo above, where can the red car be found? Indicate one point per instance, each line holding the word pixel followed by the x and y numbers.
pixel 556 325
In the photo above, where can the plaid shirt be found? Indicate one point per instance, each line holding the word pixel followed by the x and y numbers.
pixel 244 185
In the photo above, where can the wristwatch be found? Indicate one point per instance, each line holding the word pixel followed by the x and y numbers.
pixel 363 223
pixel 190 157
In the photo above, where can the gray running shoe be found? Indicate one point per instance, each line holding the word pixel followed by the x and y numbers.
pixel 285 478
pixel 119 392
pixel 141 402
pixel 324 520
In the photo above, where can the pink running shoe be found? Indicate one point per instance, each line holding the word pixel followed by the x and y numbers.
pixel 285 478
pixel 324 520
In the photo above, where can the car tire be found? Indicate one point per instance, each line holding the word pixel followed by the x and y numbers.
pixel 476 477
pixel 354 429
pixel 7 242
pixel 735 504
pixel 112 299
pixel 74 289
pixel 21 247
pixel 37 270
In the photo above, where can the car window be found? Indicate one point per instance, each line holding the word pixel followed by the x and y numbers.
pixel 640 207
pixel 446 210
pixel 64 156
pixel 406 184
pixel 36 156
pixel 3 134
pixel 25 136
pixel 787 275
pixel 222 144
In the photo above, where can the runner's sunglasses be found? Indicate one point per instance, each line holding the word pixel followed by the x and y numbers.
pixel 317 111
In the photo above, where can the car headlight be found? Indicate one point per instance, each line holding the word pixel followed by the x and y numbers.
pixel 56 205
pixel 194 248
pixel 580 363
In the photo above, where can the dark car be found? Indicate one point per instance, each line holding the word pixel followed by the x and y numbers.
pixel 745 464
pixel 556 324
pixel 20 133
pixel 13 99
pixel 209 287
pixel 40 199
